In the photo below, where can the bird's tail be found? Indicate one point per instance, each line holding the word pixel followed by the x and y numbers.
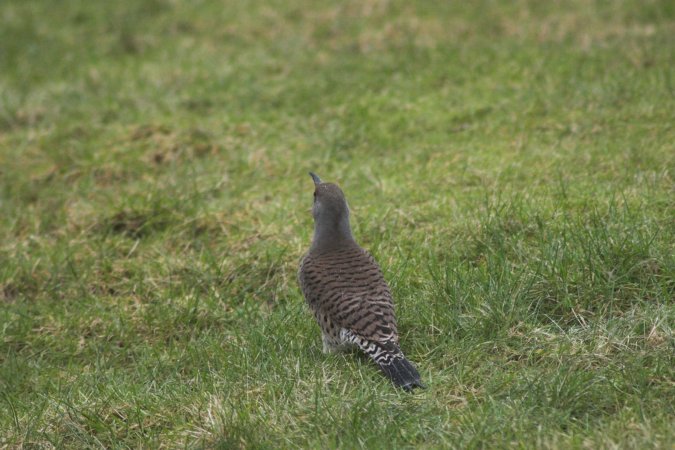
pixel 389 357
pixel 401 371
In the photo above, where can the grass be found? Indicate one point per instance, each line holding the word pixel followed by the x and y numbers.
pixel 510 165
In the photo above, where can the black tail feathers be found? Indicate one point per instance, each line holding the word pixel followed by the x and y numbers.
pixel 402 373
pixel 388 356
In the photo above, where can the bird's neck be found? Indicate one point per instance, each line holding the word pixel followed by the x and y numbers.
pixel 332 234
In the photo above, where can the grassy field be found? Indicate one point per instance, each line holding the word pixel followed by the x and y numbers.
pixel 510 165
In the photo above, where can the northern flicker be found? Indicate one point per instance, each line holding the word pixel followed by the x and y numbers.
pixel 346 291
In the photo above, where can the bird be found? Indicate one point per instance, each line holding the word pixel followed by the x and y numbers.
pixel 346 290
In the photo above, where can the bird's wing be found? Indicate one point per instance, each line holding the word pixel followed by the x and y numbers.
pixel 348 287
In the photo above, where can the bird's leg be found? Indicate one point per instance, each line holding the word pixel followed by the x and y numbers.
pixel 329 345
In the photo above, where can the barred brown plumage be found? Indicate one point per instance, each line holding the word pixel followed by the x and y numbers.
pixel 345 289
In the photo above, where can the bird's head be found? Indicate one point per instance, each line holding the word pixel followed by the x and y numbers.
pixel 330 210
pixel 330 204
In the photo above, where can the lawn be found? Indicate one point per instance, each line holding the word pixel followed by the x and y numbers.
pixel 509 164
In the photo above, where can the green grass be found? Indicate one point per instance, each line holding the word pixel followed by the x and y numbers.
pixel 510 165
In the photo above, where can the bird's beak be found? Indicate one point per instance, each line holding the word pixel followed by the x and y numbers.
pixel 315 177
